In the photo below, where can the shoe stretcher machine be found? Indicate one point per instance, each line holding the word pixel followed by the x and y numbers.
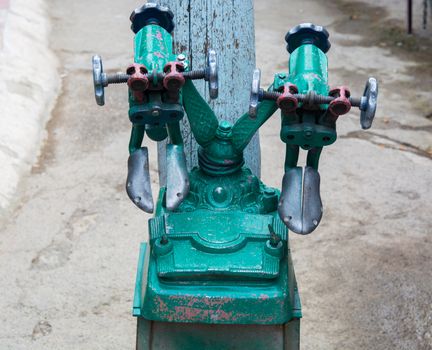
pixel 216 272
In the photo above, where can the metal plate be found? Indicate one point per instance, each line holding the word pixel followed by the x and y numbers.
pixel 177 176
pixel 300 206
pixel 138 185
pixel 312 205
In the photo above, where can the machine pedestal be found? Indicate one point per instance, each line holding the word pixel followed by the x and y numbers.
pixel 153 335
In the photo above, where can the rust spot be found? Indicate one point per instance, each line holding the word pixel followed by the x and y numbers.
pixel 203 309
pixel 159 54
pixel 185 313
pixel 264 297
pixel 159 35
pixel 161 305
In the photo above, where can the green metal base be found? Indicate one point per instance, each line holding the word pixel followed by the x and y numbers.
pixel 270 302
pixel 217 272
pixel 153 335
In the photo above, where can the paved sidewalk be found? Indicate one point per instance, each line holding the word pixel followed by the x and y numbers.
pixel 4 7
pixel 29 84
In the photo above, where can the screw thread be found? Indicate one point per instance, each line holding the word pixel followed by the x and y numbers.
pixel 195 74
pixel 310 98
pixel 117 78
pixel 271 95
pixel 355 102
pixel 120 78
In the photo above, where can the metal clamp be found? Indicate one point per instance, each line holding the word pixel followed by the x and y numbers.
pixel 102 80
pixel 367 103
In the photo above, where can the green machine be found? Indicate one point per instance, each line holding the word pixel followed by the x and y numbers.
pixel 216 272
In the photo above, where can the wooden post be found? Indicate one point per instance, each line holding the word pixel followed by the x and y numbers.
pixel 228 28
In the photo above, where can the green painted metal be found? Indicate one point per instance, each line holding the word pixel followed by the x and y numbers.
pixel 153 48
pixel 222 257
pixel 217 272
pixel 308 70
pixel 203 270
pixel 138 294
pixel 306 128
pixel 208 285
pixel 217 269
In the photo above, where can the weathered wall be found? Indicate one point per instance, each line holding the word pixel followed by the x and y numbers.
pixel 227 27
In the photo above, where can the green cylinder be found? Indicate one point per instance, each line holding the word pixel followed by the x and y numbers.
pixel 153 47
pixel 308 70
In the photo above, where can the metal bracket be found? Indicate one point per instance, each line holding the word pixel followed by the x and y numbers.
pixel 138 183
pixel 300 206
pixel 177 176
pixel 102 80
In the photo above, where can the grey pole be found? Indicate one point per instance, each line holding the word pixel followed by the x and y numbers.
pixel 228 28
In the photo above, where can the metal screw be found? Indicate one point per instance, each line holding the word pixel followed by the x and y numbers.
pixel 274 237
pixel 164 239
pixel 306 98
pixel 102 80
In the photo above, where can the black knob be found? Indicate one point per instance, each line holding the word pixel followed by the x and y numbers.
pixel 307 33
pixel 152 13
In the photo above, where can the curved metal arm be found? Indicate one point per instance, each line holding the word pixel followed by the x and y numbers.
pixel 246 127
pixel 202 120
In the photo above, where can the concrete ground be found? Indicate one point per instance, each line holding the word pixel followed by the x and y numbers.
pixel 68 251
pixel 29 85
